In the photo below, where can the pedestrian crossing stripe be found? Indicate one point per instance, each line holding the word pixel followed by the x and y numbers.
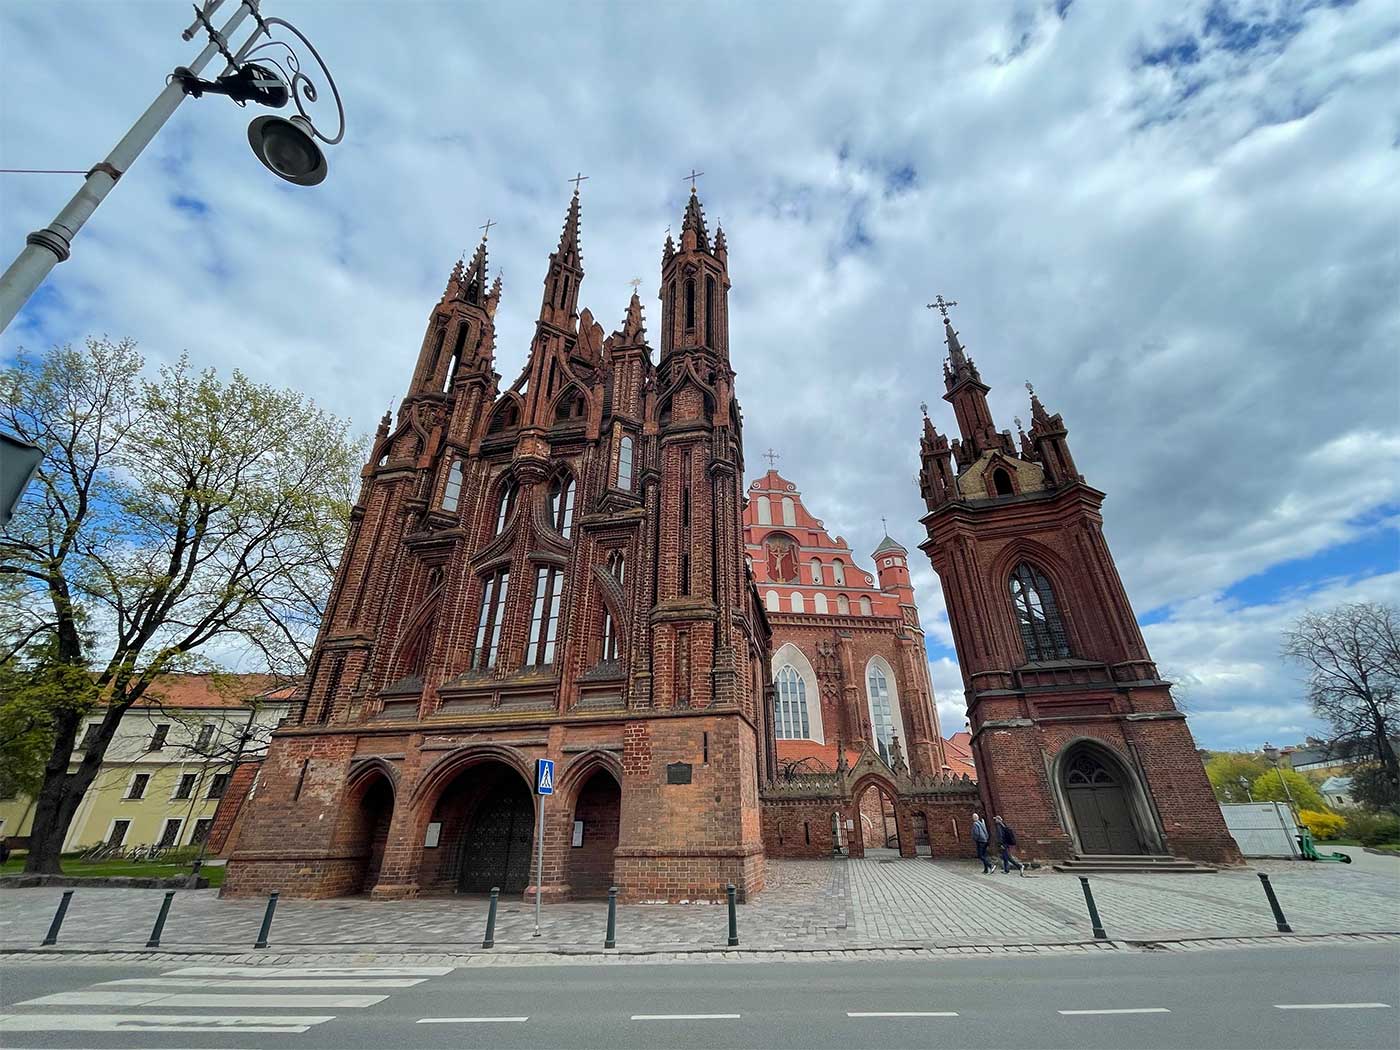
pixel 544 776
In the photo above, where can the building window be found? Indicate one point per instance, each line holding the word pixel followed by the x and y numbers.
pixel 1037 615
pixel 1001 481
pixel 624 463
pixel 789 511
pixel 170 834
pixel 791 722
pixel 490 620
pixel 505 503
pixel 137 789
pixel 117 835
pixel 206 737
pixel 817 571
pixel 796 602
pixel 865 607
pixel 561 505
pixel 689 304
pixel 819 604
pixel 185 787
pixel 765 513
pixel 838 572
pixel 772 602
pixel 201 830
pixel 609 650
pixel 544 618
pixel 843 605
pixel 617 566
pixel 452 491
pixel 158 737
pixel 710 296
pixel 877 686
pixel 218 785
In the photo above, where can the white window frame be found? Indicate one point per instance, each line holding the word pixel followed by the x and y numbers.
pixel 819 603
pixel 452 488
pixel 194 826
pixel 789 512
pixel 174 839
pixel 112 826
pixel 131 781
pixel 175 795
pixel 765 512
pixel 624 462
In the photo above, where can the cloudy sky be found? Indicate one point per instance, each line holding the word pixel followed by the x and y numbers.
pixel 1179 219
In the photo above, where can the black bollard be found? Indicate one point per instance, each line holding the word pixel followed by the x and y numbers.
pixel 1279 920
pixel 261 942
pixel 610 941
pixel 154 942
pixel 1099 932
pixel 52 936
pixel 733 918
pixel 489 941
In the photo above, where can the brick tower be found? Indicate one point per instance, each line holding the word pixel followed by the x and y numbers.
pixel 553 570
pixel 1077 741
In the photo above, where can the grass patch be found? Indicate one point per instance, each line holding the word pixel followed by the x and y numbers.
pixel 160 869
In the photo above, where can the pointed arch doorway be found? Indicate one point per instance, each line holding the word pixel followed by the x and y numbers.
pixel 1099 794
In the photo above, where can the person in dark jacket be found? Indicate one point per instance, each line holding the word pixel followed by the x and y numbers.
pixel 1007 838
pixel 979 839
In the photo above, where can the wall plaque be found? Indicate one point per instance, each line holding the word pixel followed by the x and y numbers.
pixel 678 773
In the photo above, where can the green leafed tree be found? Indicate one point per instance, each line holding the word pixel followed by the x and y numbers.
pixel 173 515
pixel 1232 775
pixel 1268 787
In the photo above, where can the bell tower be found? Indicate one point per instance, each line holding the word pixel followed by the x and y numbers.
pixel 1078 742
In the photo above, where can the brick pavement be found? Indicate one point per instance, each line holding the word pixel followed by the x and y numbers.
pixel 809 906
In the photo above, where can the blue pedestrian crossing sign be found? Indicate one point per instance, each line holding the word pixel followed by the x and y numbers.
pixel 544 776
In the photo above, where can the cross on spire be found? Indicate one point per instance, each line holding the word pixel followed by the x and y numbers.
pixel 941 305
pixel 772 458
pixel 692 177
pixel 884 525
pixel 486 228
pixel 635 282
pixel 580 177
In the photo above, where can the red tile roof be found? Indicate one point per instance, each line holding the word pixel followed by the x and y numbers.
pixel 214 690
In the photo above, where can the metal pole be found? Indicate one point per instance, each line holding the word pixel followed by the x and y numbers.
pixel 1279 920
pixel 1100 933
pixel 489 941
pixel 156 930
pixel 539 866
pixel 45 248
pixel 52 936
pixel 610 941
pixel 733 917
pixel 261 942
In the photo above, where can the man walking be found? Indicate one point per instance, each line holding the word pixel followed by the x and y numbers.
pixel 1008 843
pixel 979 839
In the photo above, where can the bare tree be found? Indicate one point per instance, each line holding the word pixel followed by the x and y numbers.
pixel 168 516
pixel 1352 658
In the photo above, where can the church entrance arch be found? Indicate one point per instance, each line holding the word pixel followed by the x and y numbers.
pixel 597 816
pixel 366 831
pixel 485 816
pixel 1099 796
pixel 879 819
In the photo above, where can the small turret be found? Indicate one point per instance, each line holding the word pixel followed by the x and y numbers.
pixel 1048 434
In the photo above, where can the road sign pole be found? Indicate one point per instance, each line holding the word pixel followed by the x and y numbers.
pixel 539 867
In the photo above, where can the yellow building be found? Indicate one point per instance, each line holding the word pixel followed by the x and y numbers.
pixel 168 764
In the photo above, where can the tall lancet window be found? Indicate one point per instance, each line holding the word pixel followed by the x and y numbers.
pixel 877 686
pixel 1038 615
pixel 689 304
pixel 609 646
pixel 561 505
pixel 452 491
pixel 624 463
pixel 544 617
pixel 791 721
pixel 505 503
pixel 490 620
pixel 710 294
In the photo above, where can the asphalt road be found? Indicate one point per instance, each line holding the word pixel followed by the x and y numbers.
pixel 1220 998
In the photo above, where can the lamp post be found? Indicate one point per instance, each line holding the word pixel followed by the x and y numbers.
pixel 1244 786
pixel 1272 754
pixel 287 147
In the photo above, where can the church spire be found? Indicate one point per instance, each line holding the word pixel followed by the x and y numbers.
pixel 475 278
pixel 633 333
pixel 568 251
pixel 565 273
pixel 693 235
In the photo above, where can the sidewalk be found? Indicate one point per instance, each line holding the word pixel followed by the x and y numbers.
pixel 808 906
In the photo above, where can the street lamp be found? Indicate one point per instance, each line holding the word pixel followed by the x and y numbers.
pixel 287 147
pixel 1272 754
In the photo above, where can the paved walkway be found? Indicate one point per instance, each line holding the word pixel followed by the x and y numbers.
pixel 807 906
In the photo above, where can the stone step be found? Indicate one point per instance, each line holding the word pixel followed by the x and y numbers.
pixel 1108 863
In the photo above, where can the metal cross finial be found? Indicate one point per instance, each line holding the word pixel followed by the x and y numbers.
pixel 635 282
pixel 923 407
pixel 772 458
pixel 486 229
pixel 1030 389
pixel 884 525
pixel 692 177
pixel 941 305
pixel 580 177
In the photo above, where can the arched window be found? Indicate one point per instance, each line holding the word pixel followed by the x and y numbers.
pixel 710 290
pixel 609 649
pixel 570 407
pixel 617 566
pixel 865 608
pixel 452 491
pixel 689 303
pixel 765 513
pixel 456 358
pixel 544 616
pixel 843 605
pixel 507 417
pixel 796 602
pixel 1037 615
pixel 838 573
pixel 819 603
pixel 772 601
pixel 624 463
pixel 877 688
pixel 789 511
pixel 790 721
pixel 817 571
pixel 490 620
pixel 1001 481
pixel 561 505
pixel 505 503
